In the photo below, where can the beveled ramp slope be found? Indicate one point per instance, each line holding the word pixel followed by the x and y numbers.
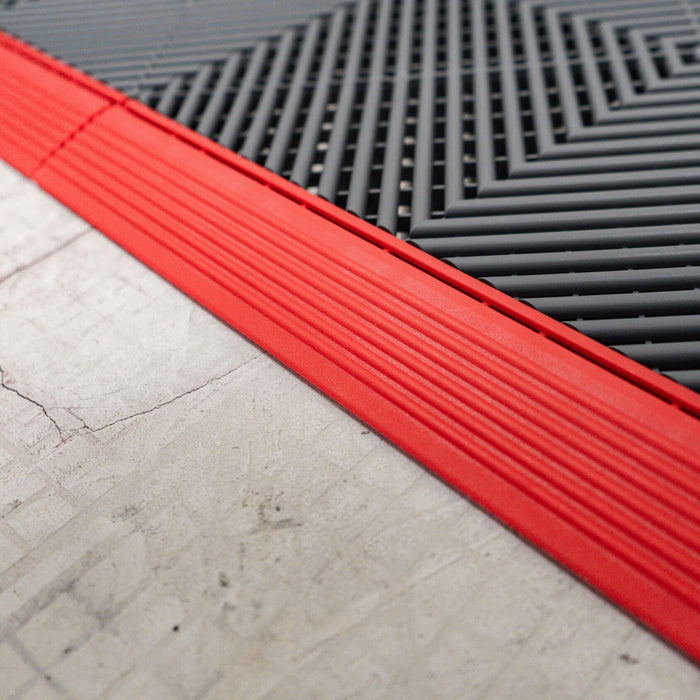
pixel 602 474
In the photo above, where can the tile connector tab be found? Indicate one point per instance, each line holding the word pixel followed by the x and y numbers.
pixel 582 452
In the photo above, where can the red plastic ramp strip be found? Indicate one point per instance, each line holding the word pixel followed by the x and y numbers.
pixel 600 473
pixel 37 116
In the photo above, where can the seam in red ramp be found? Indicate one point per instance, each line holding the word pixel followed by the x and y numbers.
pixel 589 457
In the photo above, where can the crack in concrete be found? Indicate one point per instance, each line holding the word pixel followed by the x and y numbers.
pixel 32 401
pixel 169 401
pixel 43 257
pixel 92 430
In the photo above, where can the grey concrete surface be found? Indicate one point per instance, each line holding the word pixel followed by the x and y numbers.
pixel 182 517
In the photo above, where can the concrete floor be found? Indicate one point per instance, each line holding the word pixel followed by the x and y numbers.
pixel 182 517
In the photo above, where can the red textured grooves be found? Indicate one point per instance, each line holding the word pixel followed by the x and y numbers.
pixel 592 457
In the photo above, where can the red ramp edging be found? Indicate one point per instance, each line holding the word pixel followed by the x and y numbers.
pixel 601 474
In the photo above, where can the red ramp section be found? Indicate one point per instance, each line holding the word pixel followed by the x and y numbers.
pixel 37 115
pixel 592 458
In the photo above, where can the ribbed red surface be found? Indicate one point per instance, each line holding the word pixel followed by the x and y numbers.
pixel 600 473
pixel 35 118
